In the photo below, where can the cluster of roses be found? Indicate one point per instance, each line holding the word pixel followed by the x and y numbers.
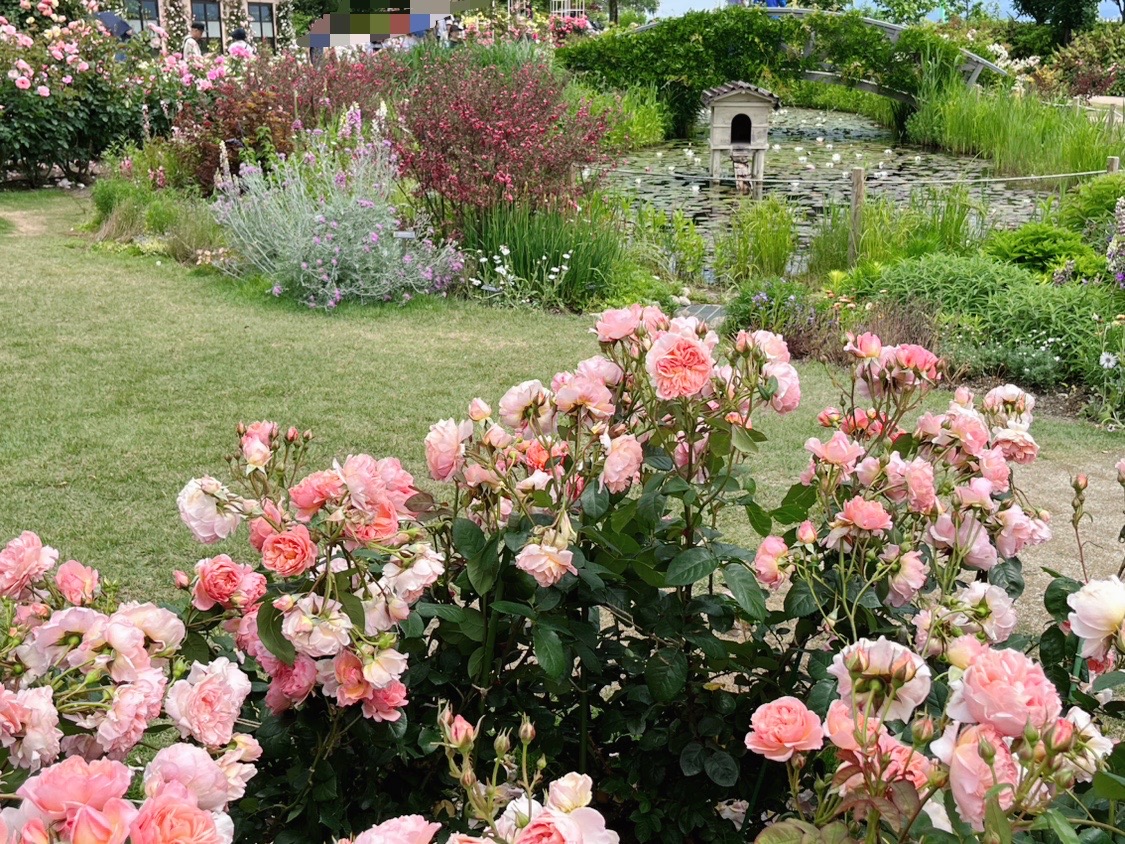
pixel 503 807
pixel 1002 737
pixel 85 679
pixel 658 377
pixel 312 612
pixel 54 55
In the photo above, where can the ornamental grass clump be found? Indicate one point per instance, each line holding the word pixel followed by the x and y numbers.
pixel 320 223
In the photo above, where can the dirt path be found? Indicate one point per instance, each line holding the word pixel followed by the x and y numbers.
pixel 26 223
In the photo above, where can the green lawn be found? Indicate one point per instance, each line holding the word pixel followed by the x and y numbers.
pixel 122 376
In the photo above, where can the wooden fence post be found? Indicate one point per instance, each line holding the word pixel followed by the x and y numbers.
pixel 855 233
pixel 1113 164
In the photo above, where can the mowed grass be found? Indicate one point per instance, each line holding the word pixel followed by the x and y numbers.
pixel 120 378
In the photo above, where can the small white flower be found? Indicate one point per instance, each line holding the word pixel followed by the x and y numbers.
pixel 802 158
pixel 660 155
pixel 695 188
pixel 671 169
pixel 1108 361
pixel 798 149
pixel 505 251
pixel 917 159
pixel 888 152
pixel 637 180
pixel 776 147
pixel 836 158
pixel 820 140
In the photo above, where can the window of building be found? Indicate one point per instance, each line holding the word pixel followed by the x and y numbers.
pixel 207 13
pixel 140 13
pixel 261 23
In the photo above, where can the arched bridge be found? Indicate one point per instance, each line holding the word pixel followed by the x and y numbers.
pixel 971 67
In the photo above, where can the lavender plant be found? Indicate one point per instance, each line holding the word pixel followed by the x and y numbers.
pixel 322 226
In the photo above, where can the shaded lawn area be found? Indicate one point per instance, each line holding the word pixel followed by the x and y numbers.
pixel 121 378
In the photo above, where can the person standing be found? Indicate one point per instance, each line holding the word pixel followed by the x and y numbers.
pixel 239 47
pixel 190 48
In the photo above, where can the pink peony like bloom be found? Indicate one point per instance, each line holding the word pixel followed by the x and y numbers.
pixel 788 394
pixel 172 818
pixel 209 510
pixel 386 704
pixel 968 539
pixel 679 366
pixel 192 767
pixel 409 829
pixel 583 393
pixel 527 408
pixel 224 582
pixel 23 561
pixel 623 462
pixel 77 582
pixel 1005 690
pixel 573 791
pixel 866 346
pixel 582 826
pixel 858 518
pixel 445 447
pixel 289 684
pixel 840 451
pixel 767 562
pixel 316 490
pixel 614 325
pixel 206 703
pixel 56 792
pixel 903 678
pixel 772 346
pixel 545 563
pixel 262 528
pixel 1016 443
pixel 992 611
pixel 317 627
pixel 972 777
pixel 782 727
pixel 290 553
pixel 601 369
pixel 851 731
pixel 994 468
pixel 1097 613
pixel 907 577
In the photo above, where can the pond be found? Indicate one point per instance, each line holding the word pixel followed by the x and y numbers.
pixel 809 163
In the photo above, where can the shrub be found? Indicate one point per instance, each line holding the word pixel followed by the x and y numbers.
pixel 1090 206
pixel 771 304
pixel 636 118
pixel 1042 248
pixel 758 242
pixel 668 242
pixel 321 226
pixel 1092 64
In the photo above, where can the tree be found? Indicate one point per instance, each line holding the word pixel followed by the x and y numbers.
pixel 905 11
pixel 1066 17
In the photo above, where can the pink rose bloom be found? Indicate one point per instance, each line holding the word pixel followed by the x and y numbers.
pixel 913 363
pixel 208 509
pixel 788 395
pixel 921 494
pixel 386 704
pixel 623 462
pixel 23 83
pixel 342 678
pixel 206 703
pixel 77 582
pixel 851 731
pixel 1009 403
pixel 290 684
pixel 192 767
pixel 1097 613
pixel 172 818
pixel 904 678
pixel 479 410
pixel 162 629
pixel 545 563
pixel 767 562
pixel 573 791
pixel 50 642
pixel 527 408
pixel 907 576
pixel 963 650
pixel 255 444
pixel 1007 691
pixel 582 393
pixel 992 610
pixel 110 825
pixel 679 366
pixel 413 570
pixel 617 324
pixel 409 829
pixel 383 667
pixel 132 706
pixel 969 539
pixel 971 777
pixel 22 562
pixel 1016 531
pixel 772 346
pixel 994 468
pixel 379 523
pixel 977 494
pixel 1016 443
pixel 445 447
pixel 224 582
pixel 314 491
pixel 317 627
pixel 235 766
pixel 261 528
pixel 858 518
pixel 582 826
pixel 782 727
pixel 841 450
pixel 398 484
pixel 55 793
pixel 291 553
pixel 866 346
pixel 601 369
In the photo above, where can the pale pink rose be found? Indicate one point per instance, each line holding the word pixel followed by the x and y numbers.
pixel 617 324
pixel 1005 690
pixel 209 510
pixel 110 825
pixel 851 731
pixel 573 791
pixel 962 651
pixel 263 527
pixel 290 684
pixel 623 462
pixel 870 469
pixel 601 369
pixel 462 838
pixel 497 438
pixel 445 447
pixel 679 366
pixel 1091 747
pixel 995 469
pixel 1120 467
pixel 1017 531
pixel 315 491
pixel 398 484
pixel 971 777
pixel 653 319
pixel 921 494
pixel 772 346
pixel 291 553
pixel 51 641
pixel 788 395
pixel 39 743
pixel 413 570
pixel 409 829
pixel 235 766
pixel 977 494
pixel 840 451
pixel 479 410
pixel 969 539
pixel 192 767
pixel 382 667
pixel 866 346
pixel 78 583
pixel 172 818
pixel 256 444
pixel 914 363
pixel 317 627
pixel 23 83
pixel 806 533
pixel 582 826
pixel 1009 403
pixel 903 678
pixel 782 727
pixel 383 611
pixel 545 563
pixel 378 523
pixel 964 427
pixel 386 704
pixel 586 394
pixel 162 629
pixel 767 562
pixel 1016 443
pixel 907 576
pixel 1097 613
pixel 22 562
pixel 527 408
pixel 858 518
pixel 206 703
pixel 53 794
pixel 992 610
pixel 224 582
pixel 363 481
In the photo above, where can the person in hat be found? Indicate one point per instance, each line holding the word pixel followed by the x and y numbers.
pixel 190 48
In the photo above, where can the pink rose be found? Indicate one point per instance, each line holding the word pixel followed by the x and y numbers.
pixel 262 527
pixel 163 630
pixel 903 678
pixel 679 366
pixel 858 518
pixel 479 410
pixel 994 468
pixel 866 346
pixel 992 611
pixel 772 346
pixel 110 825
pixel 839 451
pixel 314 491
pixel 622 463
pixel 209 510
pixel 77 582
pixel 907 577
pixel 582 826
pixel 767 562
pixel 614 325
pixel 409 829
pixel 22 562
pixel 206 703
pixel 172 818
pixel 386 704
pixel 788 394
pixel 235 766
pixel 192 767
pixel 290 684
pixel 545 563
pixel 782 727
pixel 1016 443
pixel 573 791
pixel 23 83
pixel 291 553
pixel 851 731
pixel 1097 613
pixel 527 408
pixel 317 626
pixel 599 368
pixel 224 582
pixel 585 394
pixel 54 793
pixel 1006 691
pixel 445 447
pixel 968 539
pixel 971 777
